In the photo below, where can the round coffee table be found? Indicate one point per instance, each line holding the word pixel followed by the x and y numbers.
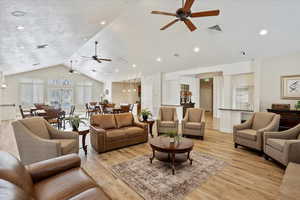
pixel 172 153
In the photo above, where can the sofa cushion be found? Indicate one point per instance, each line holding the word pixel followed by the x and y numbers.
pixel 277 144
pixel 262 120
pixel 37 126
pixel 167 124
pixel 104 121
pixel 115 134
pixel 64 185
pixel 91 194
pixel 124 119
pixel 249 134
pixel 290 185
pixel 12 170
pixel 133 131
pixel 67 145
pixel 192 125
pixel 167 114
pixel 195 115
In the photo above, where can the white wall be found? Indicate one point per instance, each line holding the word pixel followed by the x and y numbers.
pixel 119 97
pixel 151 92
pixel 12 92
pixel 271 69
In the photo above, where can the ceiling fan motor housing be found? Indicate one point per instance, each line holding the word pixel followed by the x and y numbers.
pixel 182 15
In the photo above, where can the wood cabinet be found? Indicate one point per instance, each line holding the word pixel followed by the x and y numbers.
pixel 288 118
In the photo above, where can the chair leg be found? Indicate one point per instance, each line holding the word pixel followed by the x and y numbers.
pixel 235 145
pixel 266 157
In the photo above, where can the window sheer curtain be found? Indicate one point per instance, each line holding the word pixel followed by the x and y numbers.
pixel 83 93
pixel 31 91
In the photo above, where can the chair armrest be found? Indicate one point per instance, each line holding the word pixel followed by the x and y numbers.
pixel 246 125
pixel 141 125
pixel 47 168
pixel 96 129
pixel 292 151
pixel 288 134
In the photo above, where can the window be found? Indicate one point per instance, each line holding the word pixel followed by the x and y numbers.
pixel 31 91
pixel 83 93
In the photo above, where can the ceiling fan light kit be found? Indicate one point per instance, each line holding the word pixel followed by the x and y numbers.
pixel 184 14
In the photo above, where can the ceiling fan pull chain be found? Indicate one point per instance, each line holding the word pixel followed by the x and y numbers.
pixel 96 48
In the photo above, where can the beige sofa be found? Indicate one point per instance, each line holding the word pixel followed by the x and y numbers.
pixel 167 120
pixel 59 178
pixel 115 131
pixel 290 186
pixel 250 134
pixel 283 146
pixel 37 140
pixel 193 123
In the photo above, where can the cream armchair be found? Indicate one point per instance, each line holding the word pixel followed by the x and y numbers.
pixel 194 122
pixel 167 120
pixel 37 140
pixel 250 134
pixel 284 146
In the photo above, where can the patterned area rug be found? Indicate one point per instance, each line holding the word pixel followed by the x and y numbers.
pixel 156 182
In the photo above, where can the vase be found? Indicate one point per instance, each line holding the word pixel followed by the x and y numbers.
pixel 145 118
pixel 172 140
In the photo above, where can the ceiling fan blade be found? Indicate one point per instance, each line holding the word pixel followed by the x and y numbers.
pixel 169 24
pixel 105 59
pixel 188 4
pixel 190 24
pixel 163 13
pixel 206 13
pixel 98 61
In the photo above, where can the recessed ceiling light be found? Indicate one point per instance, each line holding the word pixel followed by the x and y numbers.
pixel 20 27
pixel 35 64
pixel 3 85
pixel 103 22
pixel 134 65
pixel 18 13
pixel 117 70
pixel 263 32
pixel 158 59
pixel 196 49
pixel 93 70
pixel 21 47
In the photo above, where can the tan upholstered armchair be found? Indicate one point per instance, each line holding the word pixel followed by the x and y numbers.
pixel 167 120
pixel 284 146
pixel 250 134
pixel 37 140
pixel 194 122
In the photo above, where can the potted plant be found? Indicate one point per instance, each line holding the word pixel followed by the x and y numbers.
pixel 145 114
pixel 173 135
pixel 76 121
pixel 297 105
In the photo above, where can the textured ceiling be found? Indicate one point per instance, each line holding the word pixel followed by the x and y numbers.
pixel 132 34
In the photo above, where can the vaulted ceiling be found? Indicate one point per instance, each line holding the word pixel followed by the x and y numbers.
pixel 131 34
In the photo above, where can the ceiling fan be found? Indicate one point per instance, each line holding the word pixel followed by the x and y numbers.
pixel 96 57
pixel 184 13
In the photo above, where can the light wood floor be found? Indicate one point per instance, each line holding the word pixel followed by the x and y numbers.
pixel 247 175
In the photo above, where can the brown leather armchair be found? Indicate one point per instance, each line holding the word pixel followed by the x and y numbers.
pixel 251 133
pixel 59 178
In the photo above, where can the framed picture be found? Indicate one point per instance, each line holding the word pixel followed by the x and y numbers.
pixel 290 87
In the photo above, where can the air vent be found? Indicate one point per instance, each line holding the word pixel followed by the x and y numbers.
pixel 18 13
pixel 215 28
pixel 42 46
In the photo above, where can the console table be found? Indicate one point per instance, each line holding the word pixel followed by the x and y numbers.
pixel 288 118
